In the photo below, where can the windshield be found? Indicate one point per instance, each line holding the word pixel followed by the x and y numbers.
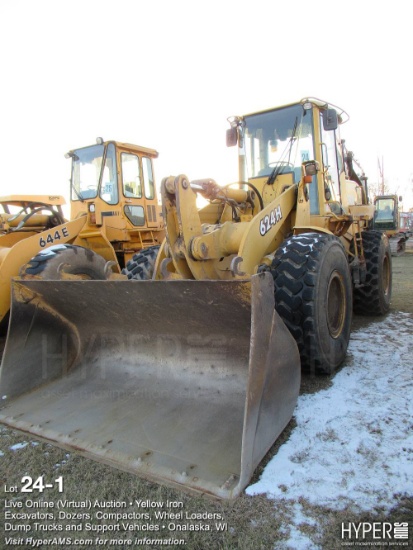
pixel 87 173
pixel 384 210
pixel 281 139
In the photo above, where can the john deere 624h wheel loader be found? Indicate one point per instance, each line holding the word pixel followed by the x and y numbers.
pixel 189 377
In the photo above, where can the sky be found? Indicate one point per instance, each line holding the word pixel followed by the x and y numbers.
pixel 167 74
pixel 350 452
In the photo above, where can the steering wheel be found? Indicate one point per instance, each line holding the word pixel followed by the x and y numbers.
pixel 248 184
pixel 281 163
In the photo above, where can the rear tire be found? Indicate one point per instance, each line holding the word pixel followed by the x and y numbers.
pixel 313 296
pixel 142 264
pixel 49 263
pixel 373 298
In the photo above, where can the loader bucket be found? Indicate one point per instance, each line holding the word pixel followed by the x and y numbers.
pixel 186 383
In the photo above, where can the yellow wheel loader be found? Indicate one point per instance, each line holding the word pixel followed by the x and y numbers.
pixel 114 216
pixel 188 378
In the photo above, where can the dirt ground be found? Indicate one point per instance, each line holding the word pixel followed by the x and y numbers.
pixel 403 281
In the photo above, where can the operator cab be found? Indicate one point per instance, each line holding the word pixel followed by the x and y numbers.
pixel 112 176
pixel 385 213
pixel 283 145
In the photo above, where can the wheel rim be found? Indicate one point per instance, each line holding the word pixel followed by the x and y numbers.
pixel 336 305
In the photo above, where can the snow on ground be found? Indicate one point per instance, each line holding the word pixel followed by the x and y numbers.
pixel 18 446
pixel 353 444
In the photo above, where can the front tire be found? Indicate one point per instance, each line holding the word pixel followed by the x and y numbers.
pixel 52 263
pixel 313 296
pixel 141 266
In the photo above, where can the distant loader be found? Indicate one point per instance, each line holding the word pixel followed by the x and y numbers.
pixel 188 378
pixel 389 219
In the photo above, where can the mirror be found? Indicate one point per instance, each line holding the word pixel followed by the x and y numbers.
pixel 232 137
pixel 330 120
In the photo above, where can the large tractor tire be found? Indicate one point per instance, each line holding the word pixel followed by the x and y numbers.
pixel 373 297
pixel 53 263
pixel 313 296
pixel 141 266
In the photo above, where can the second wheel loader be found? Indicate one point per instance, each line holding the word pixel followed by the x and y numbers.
pixel 114 215
pixel 388 219
pixel 188 378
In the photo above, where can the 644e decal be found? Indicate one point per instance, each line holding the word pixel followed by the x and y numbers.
pixel 270 220
pixel 53 236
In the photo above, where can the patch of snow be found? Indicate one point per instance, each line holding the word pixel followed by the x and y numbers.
pixel 18 446
pixel 295 538
pixel 297 541
pixel 60 464
pixel 353 444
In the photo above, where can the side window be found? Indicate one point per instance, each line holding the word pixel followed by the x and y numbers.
pixel 109 186
pixel 148 180
pixel 131 179
pixel 135 215
pixel 384 209
pixel 329 153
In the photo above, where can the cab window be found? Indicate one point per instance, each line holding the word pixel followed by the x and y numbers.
pixel 330 162
pixel 135 215
pixel 109 187
pixel 131 178
pixel 86 169
pixel 148 179
pixel 384 209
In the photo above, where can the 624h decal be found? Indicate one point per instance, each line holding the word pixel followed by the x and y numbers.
pixel 270 220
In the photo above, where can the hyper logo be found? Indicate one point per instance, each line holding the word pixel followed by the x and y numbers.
pixel 375 530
